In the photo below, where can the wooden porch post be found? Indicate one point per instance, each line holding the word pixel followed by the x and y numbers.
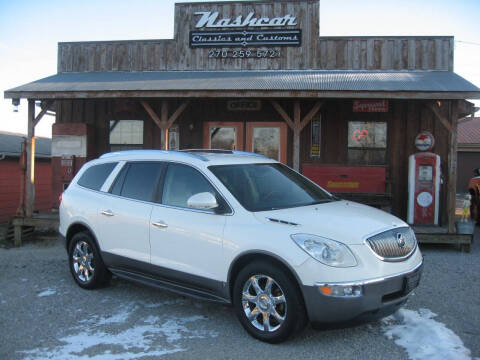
pixel 449 121
pixel 30 185
pixel 297 125
pixel 452 165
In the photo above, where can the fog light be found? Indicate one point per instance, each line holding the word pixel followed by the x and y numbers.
pixel 341 290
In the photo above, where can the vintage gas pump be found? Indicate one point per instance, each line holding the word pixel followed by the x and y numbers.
pixel 423 183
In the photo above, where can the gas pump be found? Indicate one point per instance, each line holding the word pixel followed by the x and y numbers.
pixel 423 188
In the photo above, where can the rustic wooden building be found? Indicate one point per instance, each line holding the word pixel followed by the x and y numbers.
pixel 256 76
pixel 11 169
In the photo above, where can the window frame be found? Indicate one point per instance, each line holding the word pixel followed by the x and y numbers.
pixel 114 163
pixel 221 200
pixel 157 198
pixel 126 167
pixel 369 149
pixel 140 146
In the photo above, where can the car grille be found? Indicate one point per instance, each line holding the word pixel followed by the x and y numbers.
pixel 393 245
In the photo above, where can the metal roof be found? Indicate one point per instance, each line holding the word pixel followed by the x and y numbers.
pixel 11 145
pixel 322 82
pixel 469 131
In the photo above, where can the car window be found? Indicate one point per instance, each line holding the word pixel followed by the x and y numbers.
pixel 117 185
pixel 94 177
pixel 140 180
pixel 260 187
pixel 181 182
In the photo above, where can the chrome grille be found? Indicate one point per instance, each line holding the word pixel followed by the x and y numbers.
pixel 393 245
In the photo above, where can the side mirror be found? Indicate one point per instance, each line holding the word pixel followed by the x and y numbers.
pixel 202 201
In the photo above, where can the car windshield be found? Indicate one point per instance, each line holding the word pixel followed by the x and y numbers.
pixel 260 187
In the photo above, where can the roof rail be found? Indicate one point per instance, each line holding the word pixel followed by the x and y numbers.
pixel 208 151
pixel 132 152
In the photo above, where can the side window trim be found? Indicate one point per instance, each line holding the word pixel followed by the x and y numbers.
pixel 111 178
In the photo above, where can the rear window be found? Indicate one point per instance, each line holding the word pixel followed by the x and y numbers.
pixel 94 177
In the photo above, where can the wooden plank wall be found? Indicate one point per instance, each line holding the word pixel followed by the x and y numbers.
pixel 359 53
pixel 405 119
pixel 352 53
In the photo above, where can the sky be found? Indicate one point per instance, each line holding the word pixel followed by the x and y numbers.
pixel 31 29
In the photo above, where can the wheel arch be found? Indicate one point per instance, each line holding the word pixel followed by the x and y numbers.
pixel 77 227
pixel 247 257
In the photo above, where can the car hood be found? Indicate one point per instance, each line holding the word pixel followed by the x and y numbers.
pixel 344 221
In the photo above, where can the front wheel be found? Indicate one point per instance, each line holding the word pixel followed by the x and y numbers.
pixel 268 302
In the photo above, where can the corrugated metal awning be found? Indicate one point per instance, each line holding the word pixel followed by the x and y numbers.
pixel 308 83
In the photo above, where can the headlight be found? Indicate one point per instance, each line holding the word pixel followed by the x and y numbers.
pixel 326 251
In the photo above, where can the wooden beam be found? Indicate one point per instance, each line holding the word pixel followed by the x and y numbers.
pixel 296 114
pixel 30 176
pixel 152 113
pixel 177 113
pixel 283 114
pixel 311 114
pixel 452 167
pixel 435 109
pixel 43 112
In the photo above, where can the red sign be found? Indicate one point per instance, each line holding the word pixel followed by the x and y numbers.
pixel 349 179
pixel 424 141
pixel 370 105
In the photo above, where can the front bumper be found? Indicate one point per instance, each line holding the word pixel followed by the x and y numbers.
pixel 380 297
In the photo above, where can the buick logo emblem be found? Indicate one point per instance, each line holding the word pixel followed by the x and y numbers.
pixel 400 240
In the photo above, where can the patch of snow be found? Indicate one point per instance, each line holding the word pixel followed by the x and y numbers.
pixel 23 279
pixel 423 337
pixel 47 292
pixel 4 302
pixel 107 338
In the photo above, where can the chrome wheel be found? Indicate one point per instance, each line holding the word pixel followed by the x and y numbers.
pixel 264 303
pixel 82 261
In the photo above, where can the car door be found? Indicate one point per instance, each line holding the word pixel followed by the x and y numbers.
pixel 183 239
pixel 125 215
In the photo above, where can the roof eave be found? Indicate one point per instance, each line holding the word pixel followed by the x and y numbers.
pixel 102 94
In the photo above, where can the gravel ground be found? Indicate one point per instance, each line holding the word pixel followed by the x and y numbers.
pixel 45 315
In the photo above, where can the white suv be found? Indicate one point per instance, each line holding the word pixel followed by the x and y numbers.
pixel 237 228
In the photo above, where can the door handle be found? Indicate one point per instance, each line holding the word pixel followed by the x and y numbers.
pixel 160 224
pixel 107 212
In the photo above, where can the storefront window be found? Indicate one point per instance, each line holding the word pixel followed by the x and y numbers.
pixel 266 141
pixel 223 138
pixel 367 142
pixel 126 135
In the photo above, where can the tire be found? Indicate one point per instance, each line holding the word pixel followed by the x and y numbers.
pixel 264 291
pixel 86 265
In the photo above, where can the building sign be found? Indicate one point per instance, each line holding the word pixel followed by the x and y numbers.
pixel 424 141
pixel 370 106
pixel 245 38
pixel 210 19
pixel 316 136
pixel 244 105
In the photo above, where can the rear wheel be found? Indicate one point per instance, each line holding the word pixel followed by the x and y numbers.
pixel 86 265
pixel 268 302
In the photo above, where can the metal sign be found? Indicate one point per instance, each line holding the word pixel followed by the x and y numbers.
pixel 245 38
pixel 370 106
pixel 424 141
pixel 208 19
pixel 244 105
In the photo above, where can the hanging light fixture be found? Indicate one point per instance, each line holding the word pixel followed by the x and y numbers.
pixel 15 103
